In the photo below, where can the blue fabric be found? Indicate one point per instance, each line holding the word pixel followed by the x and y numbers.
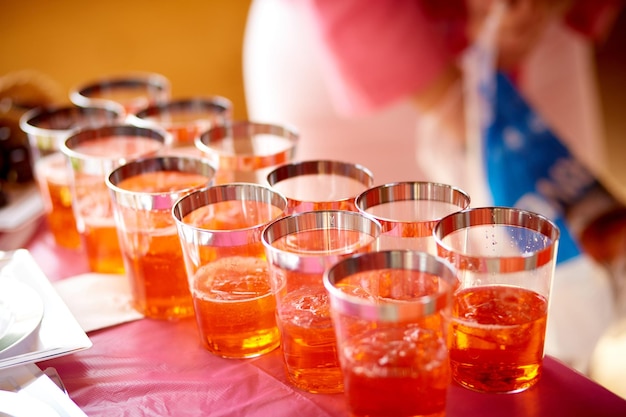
pixel 528 167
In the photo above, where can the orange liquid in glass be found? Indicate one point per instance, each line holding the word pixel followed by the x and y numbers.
pixel 231 290
pixel 93 203
pixel 103 249
pixel 396 371
pixel 53 182
pixel 61 217
pixel 235 307
pixel 308 339
pixel 158 278
pixel 497 338
pixel 151 248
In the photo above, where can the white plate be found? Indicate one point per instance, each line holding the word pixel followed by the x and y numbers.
pixel 59 333
pixel 26 311
pixel 13 404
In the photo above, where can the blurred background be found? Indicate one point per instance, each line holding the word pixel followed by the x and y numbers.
pixel 197 45
pixel 194 43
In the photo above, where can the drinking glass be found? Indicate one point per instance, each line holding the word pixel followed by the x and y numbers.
pixel 299 248
pixel 391 311
pixel 505 258
pixel 144 192
pixel 46 129
pixel 185 119
pixel 408 211
pixel 220 233
pixel 320 184
pixel 92 154
pixel 133 91
pixel 247 151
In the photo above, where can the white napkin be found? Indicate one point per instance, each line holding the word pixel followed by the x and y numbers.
pixel 30 382
pixel 98 300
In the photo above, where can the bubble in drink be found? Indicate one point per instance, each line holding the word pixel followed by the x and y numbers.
pixel 399 371
pixel 497 338
pixel 235 307
pixel 308 340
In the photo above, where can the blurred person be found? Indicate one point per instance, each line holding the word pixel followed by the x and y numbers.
pixel 380 84
pixel 347 75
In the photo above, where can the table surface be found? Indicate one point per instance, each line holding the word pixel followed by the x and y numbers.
pixel 159 368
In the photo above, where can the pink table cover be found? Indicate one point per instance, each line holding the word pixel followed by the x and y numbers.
pixel 158 368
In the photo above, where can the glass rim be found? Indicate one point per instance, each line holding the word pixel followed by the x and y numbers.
pixel 412 191
pixel 352 170
pixel 500 216
pixel 179 105
pixel 90 133
pixel 157 200
pixel 314 220
pixel 398 310
pixel 73 117
pixel 246 128
pixel 30 121
pixel 79 94
pixel 236 191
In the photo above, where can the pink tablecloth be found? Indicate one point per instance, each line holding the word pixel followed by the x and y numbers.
pixel 159 368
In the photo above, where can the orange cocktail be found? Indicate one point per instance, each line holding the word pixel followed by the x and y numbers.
pixel 219 230
pixel 308 340
pixel 390 310
pixel 185 119
pixel 47 128
pixel 93 154
pixel 235 307
pixel 497 337
pixel 144 192
pixel 316 240
pixel 52 178
pixel 377 381
pixel 505 258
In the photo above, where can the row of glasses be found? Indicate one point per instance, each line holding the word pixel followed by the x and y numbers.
pixel 96 103
pixel 490 320
pixel 382 292
pixel 476 310
pixel 47 129
pixel 302 246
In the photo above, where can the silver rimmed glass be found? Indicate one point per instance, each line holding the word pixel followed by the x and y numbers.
pixel 246 151
pixel 92 153
pixel 505 258
pixel 299 248
pixel 46 129
pixel 390 311
pixel 320 184
pixel 143 193
pixel 408 211
pixel 132 90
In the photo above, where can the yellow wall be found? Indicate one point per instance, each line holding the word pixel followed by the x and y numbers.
pixel 194 43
